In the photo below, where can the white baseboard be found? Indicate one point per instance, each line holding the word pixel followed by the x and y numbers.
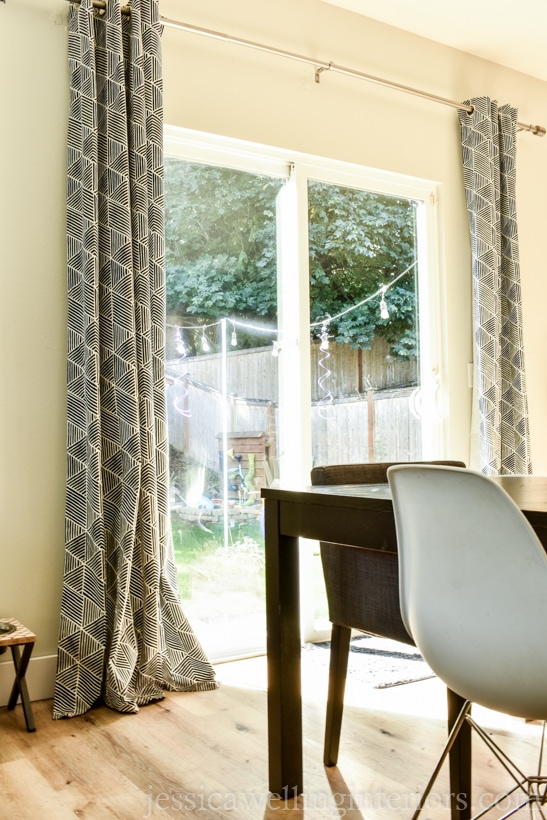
pixel 40 677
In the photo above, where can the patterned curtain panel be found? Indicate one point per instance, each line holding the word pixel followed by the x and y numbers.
pixel 500 422
pixel 123 635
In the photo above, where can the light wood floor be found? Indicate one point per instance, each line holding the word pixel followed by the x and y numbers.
pixel 203 756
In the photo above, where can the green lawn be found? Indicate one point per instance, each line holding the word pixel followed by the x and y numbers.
pixel 203 555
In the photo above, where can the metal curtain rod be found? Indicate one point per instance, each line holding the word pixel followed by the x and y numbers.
pixel 321 65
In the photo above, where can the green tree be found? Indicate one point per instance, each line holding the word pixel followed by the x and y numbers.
pixel 359 241
pixel 221 253
pixel 220 244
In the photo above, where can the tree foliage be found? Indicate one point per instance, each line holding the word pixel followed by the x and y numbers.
pixel 221 253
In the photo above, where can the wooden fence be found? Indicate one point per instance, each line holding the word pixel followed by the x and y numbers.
pixel 253 373
pixel 367 419
pixel 376 427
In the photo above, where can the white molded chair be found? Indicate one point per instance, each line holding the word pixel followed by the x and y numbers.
pixel 473 596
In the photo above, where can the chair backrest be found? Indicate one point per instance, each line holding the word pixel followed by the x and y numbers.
pixel 371 473
pixel 363 584
pixel 473 586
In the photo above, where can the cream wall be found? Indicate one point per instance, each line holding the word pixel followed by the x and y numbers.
pixel 225 89
pixel 33 78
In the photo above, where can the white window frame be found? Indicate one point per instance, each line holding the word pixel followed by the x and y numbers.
pixel 295 435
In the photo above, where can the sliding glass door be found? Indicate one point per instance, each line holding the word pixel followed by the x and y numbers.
pixel 302 329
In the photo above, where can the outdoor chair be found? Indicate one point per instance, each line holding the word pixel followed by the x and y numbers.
pixel 362 588
pixel 473 584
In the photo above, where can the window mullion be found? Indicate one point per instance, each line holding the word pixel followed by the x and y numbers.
pixel 293 307
pixel 433 414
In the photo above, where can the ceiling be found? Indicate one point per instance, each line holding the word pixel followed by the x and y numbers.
pixel 507 32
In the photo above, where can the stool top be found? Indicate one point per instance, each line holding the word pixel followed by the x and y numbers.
pixel 20 635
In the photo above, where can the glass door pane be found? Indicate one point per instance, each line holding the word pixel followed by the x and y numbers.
pixel 364 318
pixel 222 396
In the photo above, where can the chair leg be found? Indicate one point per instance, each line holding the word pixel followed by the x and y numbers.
pixel 452 737
pixel 459 761
pixel 339 652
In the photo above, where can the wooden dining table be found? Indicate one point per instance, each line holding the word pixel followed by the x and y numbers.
pixel 358 516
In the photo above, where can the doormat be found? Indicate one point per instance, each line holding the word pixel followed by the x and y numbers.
pixel 377 663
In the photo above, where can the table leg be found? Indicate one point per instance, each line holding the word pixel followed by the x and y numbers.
pixel 283 644
pixel 459 761
pixel 20 684
pixel 338 668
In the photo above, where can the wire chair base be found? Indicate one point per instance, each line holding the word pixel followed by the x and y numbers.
pixel 533 787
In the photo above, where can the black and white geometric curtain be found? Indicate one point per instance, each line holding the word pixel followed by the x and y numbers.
pixel 123 635
pixel 500 411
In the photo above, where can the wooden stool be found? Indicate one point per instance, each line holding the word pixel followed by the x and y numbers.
pixel 14 635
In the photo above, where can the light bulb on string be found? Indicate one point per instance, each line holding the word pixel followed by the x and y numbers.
pixel 384 312
pixel 328 398
pixel 204 342
pixel 276 349
pixel 234 337
pixel 179 343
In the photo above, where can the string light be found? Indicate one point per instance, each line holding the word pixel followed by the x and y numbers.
pixel 380 292
pixel 324 323
pixel 205 346
pixel 328 399
pixel 276 345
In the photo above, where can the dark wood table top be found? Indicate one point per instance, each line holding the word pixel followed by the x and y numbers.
pixel 345 495
pixel 529 492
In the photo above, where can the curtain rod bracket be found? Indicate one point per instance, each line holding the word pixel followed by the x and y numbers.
pixel 320 69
